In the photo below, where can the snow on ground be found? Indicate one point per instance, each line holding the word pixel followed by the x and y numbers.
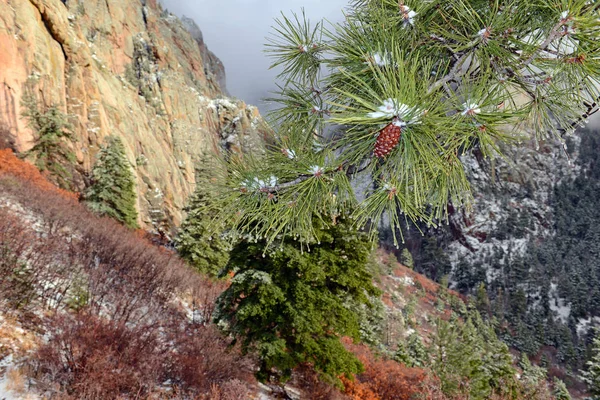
pixel 14 341
pixel 558 305
pixel 5 363
pixel 12 383
pixel 404 280
pixel 6 392
pixel 584 324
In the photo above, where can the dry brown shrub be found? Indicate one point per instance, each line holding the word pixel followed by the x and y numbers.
pixel 16 282
pixel 91 358
pixel 16 381
pixel 202 359
pixel 126 276
pixel 87 357
pixel 308 380
pixel 130 334
pixel 230 390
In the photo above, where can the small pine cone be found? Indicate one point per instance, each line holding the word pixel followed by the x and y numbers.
pixel 387 140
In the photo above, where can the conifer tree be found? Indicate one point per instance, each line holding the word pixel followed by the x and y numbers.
pixel 112 191
pixel 482 300
pixel 396 94
pixel 470 355
pixel 402 355
pixel 199 241
pixel 591 375
pixel 406 259
pixel 52 132
pixel 560 390
pixel 531 373
pixel 287 303
pixel 413 352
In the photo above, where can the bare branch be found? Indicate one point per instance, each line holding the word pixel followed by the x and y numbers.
pixel 554 33
pixel 451 75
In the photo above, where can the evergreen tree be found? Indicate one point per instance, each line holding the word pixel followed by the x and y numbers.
pixel 531 373
pixel 52 132
pixel 407 259
pixel 591 375
pixel 560 390
pixel 482 300
pixel 112 191
pixel 434 260
pixel 469 358
pixel 402 355
pixel 413 352
pixel 198 240
pixel 288 304
pixel 565 344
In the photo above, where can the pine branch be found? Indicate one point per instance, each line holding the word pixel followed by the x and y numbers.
pixel 522 83
pixel 380 75
pixel 350 171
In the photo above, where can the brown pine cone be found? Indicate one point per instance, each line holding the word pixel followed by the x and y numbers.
pixel 387 140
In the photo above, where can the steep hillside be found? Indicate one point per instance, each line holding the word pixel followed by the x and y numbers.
pixel 529 244
pixel 124 68
pixel 76 290
pixel 81 296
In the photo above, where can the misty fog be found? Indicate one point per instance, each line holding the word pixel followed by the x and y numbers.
pixel 235 30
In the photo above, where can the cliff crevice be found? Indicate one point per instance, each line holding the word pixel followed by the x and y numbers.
pixel 46 18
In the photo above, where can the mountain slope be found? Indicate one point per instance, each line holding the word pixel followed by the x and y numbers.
pixel 530 244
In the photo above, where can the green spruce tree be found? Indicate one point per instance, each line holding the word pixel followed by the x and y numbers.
pixel 469 359
pixel 406 258
pixel 199 241
pixel 412 352
pixel 52 134
pixel 591 375
pixel 531 373
pixel 402 355
pixel 560 390
pixel 482 300
pixel 112 191
pixel 287 304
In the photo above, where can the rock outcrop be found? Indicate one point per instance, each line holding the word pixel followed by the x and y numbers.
pixel 130 69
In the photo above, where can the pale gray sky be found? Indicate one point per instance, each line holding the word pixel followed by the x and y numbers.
pixel 235 31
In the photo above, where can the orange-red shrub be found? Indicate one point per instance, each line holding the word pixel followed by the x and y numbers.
pixel 383 378
pixel 12 165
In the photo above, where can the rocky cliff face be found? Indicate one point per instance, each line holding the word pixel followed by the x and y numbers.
pixel 124 68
